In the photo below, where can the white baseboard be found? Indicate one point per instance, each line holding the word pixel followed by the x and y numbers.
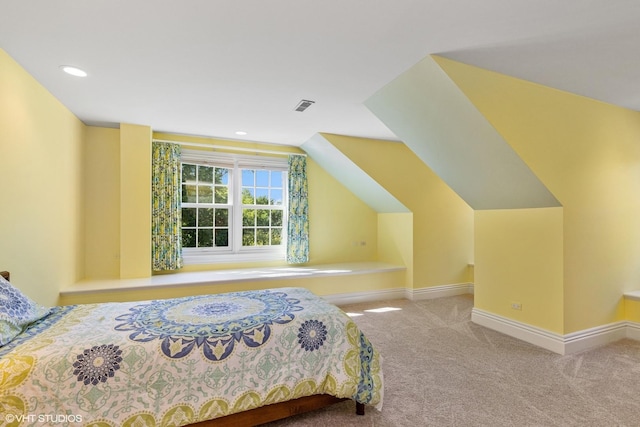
pixel 522 331
pixel 366 296
pixel 400 293
pixel 633 331
pixel 594 337
pixel 561 344
pixel 439 291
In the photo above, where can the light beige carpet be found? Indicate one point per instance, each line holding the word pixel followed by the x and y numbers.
pixel 442 370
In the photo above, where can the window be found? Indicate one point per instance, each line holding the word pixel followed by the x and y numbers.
pixel 233 207
pixel 205 206
pixel 262 204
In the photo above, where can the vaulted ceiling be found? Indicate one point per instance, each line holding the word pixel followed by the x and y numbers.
pixel 212 68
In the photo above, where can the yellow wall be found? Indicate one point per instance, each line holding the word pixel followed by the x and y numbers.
pixel 519 259
pixel 117 201
pixel 102 203
pixel 395 241
pixel 338 219
pixel 342 228
pixel 632 310
pixel 63 183
pixel 41 218
pixel 587 154
pixel 80 199
pixel 442 222
pixel 135 201
pixel 340 222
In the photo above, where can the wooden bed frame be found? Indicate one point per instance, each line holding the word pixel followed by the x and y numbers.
pixel 266 414
pixel 277 411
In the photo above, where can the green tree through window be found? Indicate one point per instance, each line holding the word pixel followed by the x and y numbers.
pixel 205 206
pixel 262 204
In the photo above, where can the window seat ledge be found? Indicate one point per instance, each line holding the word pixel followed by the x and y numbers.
pixel 632 295
pixel 229 276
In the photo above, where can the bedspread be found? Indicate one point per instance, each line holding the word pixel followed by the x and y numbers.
pixel 179 361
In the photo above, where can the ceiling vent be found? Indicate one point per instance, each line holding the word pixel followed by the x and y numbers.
pixel 304 104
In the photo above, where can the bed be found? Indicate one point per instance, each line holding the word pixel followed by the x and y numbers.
pixel 241 358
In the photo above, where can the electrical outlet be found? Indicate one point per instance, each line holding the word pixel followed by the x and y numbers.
pixel 516 306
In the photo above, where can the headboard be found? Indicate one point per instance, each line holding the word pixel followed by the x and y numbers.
pixel 5 274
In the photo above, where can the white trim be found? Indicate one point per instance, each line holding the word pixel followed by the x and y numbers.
pixel 232 148
pixel 562 344
pixel 366 296
pixel 633 330
pixel 439 291
pixel 200 256
pixel 230 160
pixel 522 331
pixel 593 337
pixel 401 293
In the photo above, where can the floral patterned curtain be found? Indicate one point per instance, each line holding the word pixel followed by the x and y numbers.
pixel 166 233
pixel 298 221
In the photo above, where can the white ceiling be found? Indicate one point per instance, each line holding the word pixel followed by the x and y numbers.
pixel 211 67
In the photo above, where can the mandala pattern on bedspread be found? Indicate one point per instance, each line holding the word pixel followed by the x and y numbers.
pixel 184 360
pixel 187 323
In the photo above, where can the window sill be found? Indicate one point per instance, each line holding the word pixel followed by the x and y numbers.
pixel 199 258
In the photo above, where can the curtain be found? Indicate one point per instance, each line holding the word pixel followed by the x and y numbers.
pixel 298 219
pixel 166 233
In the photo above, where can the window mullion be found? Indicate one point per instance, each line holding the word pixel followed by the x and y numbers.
pixel 237 208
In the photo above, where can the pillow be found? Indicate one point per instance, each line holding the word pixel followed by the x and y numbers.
pixel 17 312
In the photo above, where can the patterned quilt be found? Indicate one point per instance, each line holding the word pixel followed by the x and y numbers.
pixel 178 361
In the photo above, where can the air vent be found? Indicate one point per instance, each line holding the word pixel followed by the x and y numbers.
pixel 304 104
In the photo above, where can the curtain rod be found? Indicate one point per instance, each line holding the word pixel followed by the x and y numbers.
pixel 225 147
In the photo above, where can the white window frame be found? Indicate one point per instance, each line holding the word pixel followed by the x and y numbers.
pixel 236 252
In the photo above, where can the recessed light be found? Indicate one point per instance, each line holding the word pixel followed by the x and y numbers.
pixel 74 71
pixel 241 132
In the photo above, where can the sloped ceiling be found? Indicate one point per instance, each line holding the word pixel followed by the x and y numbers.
pixel 351 176
pixel 212 68
pixel 434 118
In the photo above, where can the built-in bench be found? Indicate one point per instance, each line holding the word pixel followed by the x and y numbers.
pixel 378 280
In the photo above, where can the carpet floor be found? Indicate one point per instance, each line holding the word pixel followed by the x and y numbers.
pixel 443 370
